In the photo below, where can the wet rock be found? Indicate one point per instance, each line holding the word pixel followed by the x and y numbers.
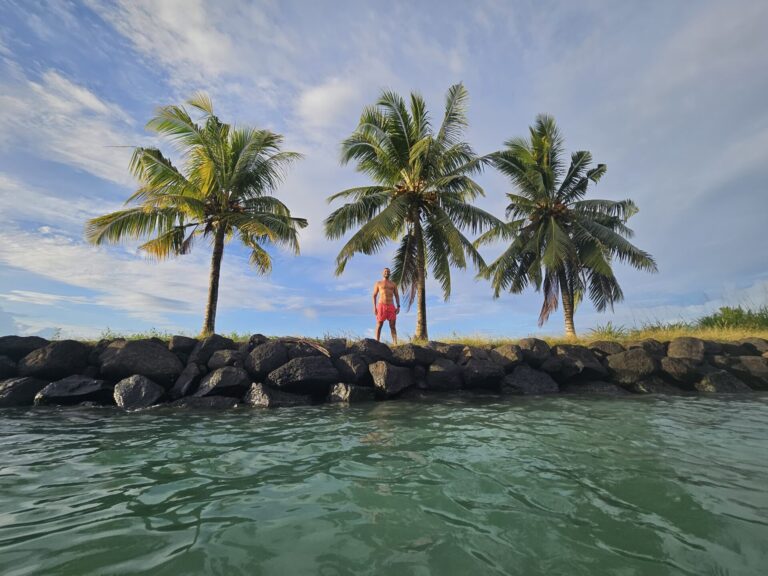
pixel 479 373
pixel 55 360
pixel 124 358
pixel 228 381
pixel 20 391
pixel 451 351
pixel 751 369
pixel 310 375
pixel 683 370
pixel 372 350
pixel 632 366
pixel 653 347
pixel 187 381
pixel 527 381
pixel 16 347
pixel 265 358
pixel 603 348
pixel 720 381
pixel 654 385
pixel 137 392
pixel 350 393
pixel 182 344
pixel 692 348
pixel 7 367
pixel 265 397
pixel 594 387
pixel 443 374
pixel 207 402
pixel 507 356
pixel 535 351
pixel 586 363
pixel 222 358
pixel 353 368
pixel 412 355
pixel 205 348
pixel 74 390
pixel 388 379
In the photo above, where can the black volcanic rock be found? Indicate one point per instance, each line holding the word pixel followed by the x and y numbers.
pixel 265 397
pixel 187 381
pixel 20 391
pixel 632 366
pixel 227 381
pixel 389 379
pixel 124 358
pixel 75 390
pixel 528 381
pixel 720 381
pixel 444 374
pixel 351 393
pixel 16 347
pixel 265 358
pixel 205 348
pixel 7 367
pixel 137 392
pixel 353 368
pixel 535 351
pixel 56 360
pixel 309 375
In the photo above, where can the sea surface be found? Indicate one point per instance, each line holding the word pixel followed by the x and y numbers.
pixel 571 486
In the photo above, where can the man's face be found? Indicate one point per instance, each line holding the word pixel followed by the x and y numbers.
pixel 385 273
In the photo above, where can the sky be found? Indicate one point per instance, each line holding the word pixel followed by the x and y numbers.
pixel 670 95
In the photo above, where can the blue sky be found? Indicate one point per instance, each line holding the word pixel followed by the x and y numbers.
pixel 670 95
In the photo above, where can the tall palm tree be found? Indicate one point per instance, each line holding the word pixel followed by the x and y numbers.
pixel 224 188
pixel 421 193
pixel 560 242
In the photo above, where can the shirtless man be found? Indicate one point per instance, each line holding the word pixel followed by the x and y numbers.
pixel 386 290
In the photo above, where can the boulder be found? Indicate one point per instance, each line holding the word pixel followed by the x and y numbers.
pixel 98 349
pixel 586 363
pixel 526 380
pixel 349 393
pixel 388 379
pixel 205 348
pixel 721 361
pixel 7 367
pixel 372 350
pixel 603 348
pixel 56 360
pixel 124 358
pixel 720 381
pixel 16 347
pixel 310 375
pixel 596 387
pixel 353 368
pixel 631 366
pixel 751 369
pixel 420 376
pixel 653 347
pixel 182 344
pixel 20 391
pixel 265 358
pixel 653 385
pixel 473 353
pixel 336 346
pixel 412 355
pixel 686 347
pixel 507 356
pixel 443 374
pixel 711 348
pixel 222 358
pixel 760 344
pixel 765 354
pixel 74 390
pixel 738 349
pixel 535 351
pixel 478 373
pixel 450 351
pixel 187 381
pixel 137 392
pixel 194 402
pixel 266 397
pixel 683 370
pixel 249 345
pixel 227 381
pixel 559 368
pixel 301 350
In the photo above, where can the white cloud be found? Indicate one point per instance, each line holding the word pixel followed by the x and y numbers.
pixel 323 105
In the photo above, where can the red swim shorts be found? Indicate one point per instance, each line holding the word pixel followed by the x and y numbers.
pixel 386 312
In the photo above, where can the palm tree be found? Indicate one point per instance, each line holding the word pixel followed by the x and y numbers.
pixel 421 193
pixel 560 242
pixel 224 188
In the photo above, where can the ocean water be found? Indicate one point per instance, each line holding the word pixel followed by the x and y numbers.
pixel 571 486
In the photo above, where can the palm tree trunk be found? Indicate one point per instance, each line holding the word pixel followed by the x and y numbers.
pixel 209 325
pixel 567 297
pixel 421 286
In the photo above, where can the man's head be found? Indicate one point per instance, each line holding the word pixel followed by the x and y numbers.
pixel 385 273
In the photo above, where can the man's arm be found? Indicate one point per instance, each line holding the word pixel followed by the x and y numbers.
pixel 375 293
pixel 397 299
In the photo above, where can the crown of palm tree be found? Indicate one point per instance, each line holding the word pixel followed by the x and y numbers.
pixel 559 241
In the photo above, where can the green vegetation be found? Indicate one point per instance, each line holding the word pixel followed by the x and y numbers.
pixel 421 196
pixel 560 243
pixel 224 188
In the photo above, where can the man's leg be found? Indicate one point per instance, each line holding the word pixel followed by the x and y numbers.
pixel 393 329
pixel 378 329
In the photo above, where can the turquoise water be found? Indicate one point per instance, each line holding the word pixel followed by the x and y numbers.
pixel 638 486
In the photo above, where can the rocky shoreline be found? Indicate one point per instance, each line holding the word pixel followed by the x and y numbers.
pixel 216 372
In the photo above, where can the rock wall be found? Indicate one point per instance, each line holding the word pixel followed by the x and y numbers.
pixel 216 372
